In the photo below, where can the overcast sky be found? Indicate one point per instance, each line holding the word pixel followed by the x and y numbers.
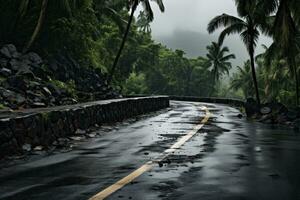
pixel 192 15
pixel 184 22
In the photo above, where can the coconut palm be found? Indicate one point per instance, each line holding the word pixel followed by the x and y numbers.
pixel 247 26
pixel 218 61
pixel 284 32
pixel 133 4
pixel 275 71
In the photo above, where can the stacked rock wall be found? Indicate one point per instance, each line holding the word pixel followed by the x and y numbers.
pixel 44 126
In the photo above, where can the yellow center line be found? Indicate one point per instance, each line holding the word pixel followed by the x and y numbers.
pixel 150 164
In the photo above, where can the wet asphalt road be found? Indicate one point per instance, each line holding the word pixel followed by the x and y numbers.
pixel 229 158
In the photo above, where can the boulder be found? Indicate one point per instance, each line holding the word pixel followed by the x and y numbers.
pixel 46 91
pixel 18 82
pixel 28 81
pixel 26 147
pixel 38 148
pixel 15 64
pixel 5 51
pixel 24 70
pixel 5 72
pixel 6 94
pixel 54 89
pixel 11 48
pixel 80 132
pixel 16 55
pixel 265 110
pixel 33 58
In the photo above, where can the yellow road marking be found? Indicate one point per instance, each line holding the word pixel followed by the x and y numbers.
pixel 149 165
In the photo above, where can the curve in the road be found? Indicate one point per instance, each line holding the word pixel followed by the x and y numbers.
pixel 149 165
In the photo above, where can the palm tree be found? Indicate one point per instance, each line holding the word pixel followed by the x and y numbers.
pixel 285 33
pixel 243 80
pixel 247 26
pixel 218 61
pixel 143 23
pixel 67 5
pixel 133 4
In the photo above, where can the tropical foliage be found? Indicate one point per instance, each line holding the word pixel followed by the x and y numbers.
pixel 247 26
pixel 106 35
pixel 218 62
pixel 278 19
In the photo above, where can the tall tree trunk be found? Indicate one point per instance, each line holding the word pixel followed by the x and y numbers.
pixel 254 76
pixel 38 27
pixel 113 69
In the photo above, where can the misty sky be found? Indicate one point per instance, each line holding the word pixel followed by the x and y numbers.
pixel 183 26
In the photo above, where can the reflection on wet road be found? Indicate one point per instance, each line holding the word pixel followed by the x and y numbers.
pixel 229 158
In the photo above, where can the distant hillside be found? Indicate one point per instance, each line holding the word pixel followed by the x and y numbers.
pixel 194 43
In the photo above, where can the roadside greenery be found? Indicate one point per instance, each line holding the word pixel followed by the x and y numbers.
pixel 278 19
pixel 107 36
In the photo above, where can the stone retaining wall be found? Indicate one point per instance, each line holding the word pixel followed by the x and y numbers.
pixel 44 126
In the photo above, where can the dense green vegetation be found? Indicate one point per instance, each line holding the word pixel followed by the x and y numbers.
pixel 258 17
pixel 106 36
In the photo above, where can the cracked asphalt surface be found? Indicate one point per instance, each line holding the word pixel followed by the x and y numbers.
pixel 229 158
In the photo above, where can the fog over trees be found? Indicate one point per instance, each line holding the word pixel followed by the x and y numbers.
pixel 183 26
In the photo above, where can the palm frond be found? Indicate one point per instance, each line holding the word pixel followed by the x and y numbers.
pixel 233 29
pixel 224 50
pixel 244 7
pixel 269 6
pixel 148 10
pixel 266 25
pixel 223 20
pixel 228 57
